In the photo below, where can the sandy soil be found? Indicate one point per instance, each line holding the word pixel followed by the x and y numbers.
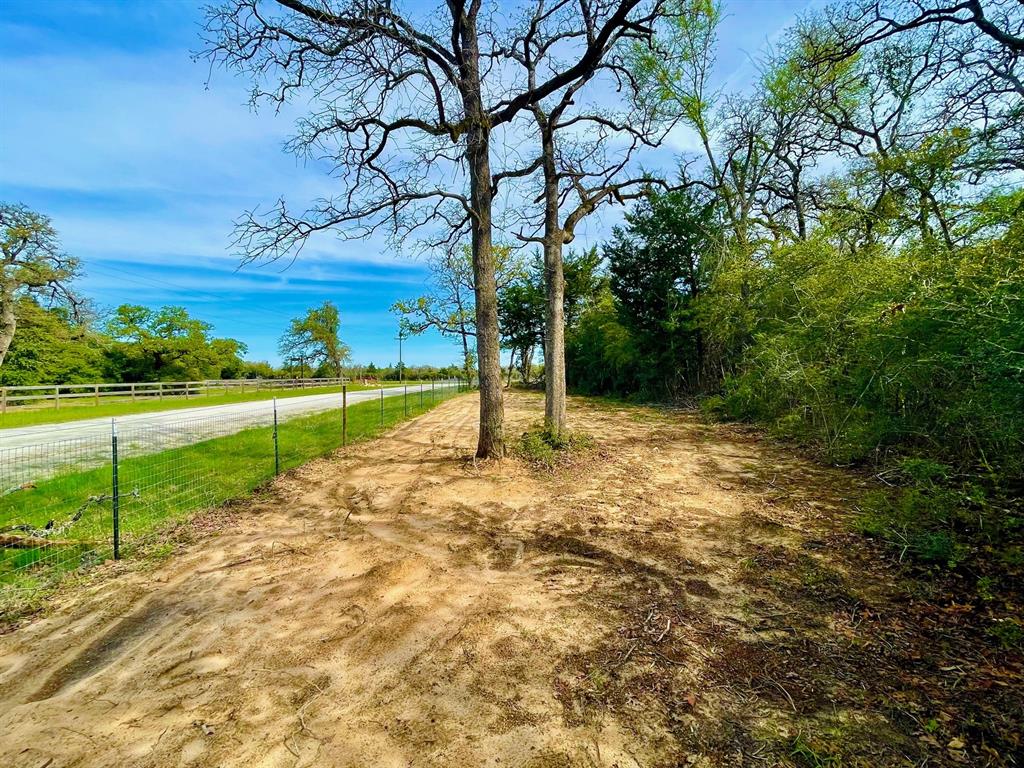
pixel 678 595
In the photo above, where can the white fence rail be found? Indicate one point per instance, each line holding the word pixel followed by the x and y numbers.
pixel 41 394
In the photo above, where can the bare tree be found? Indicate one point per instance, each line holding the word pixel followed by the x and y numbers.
pixel 585 154
pixel 869 81
pixel 974 57
pixel 405 109
pixel 31 264
pixel 864 22
pixel 737 156
pixel 877 110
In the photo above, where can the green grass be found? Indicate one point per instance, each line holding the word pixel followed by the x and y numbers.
pixel 539 446
pixel 165 486
pixel 85 409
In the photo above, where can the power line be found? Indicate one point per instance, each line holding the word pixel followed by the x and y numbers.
pixel 157 281
pixel 167 283
pixel 143 280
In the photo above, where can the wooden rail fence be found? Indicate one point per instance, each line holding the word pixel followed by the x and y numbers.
pixel 156 390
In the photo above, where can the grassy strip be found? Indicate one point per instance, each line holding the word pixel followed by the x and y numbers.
pixel 84 408
pixel 164 486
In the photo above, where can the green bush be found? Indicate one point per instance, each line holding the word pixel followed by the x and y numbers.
pixel 541 446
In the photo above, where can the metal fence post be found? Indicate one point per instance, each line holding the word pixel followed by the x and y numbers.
pixel 405 396
pixel 382 405
pixel 277 450
pixel 115 494
pixel 344 414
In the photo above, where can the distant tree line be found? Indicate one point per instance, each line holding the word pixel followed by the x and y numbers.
pixel 50 335
pixel 134 343
pixel 167 344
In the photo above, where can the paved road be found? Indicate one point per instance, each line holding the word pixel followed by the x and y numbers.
pixel 30 453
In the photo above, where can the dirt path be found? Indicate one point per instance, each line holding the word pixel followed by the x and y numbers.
pixel 680 596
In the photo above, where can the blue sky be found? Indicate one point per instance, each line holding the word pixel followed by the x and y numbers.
pixel 109 127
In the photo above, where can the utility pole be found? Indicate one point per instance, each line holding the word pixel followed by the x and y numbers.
pixel 401 367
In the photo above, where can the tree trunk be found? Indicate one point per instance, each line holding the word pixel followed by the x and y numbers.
pixel 491 442
pixel 525 364
pixel 466 362
pixel 554 341
pixel 8 322
pixel 554 283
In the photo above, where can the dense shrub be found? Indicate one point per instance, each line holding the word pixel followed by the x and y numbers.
pixel 917 352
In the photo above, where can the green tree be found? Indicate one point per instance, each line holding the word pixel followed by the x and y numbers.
pixel 315 339
pixel 51 347
pixel 583 283
pixel 658 272
pixel 521 320
pixel 601 354
pixel 258 369
pixel 32 263
pixel 522 300
pixel 168 344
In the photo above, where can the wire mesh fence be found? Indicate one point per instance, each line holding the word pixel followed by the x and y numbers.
pixel 99 489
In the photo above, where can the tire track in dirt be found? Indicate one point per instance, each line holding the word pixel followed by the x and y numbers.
pixel 378 591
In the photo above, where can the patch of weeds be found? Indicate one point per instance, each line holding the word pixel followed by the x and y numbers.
pixel 795 574
pixel 811 756
pixel 713 407
pixel 919 519
pixel 1012 556
pixel 838 742
pixel 542 447
pixel 988 588
pixel 936 518
pixel 820 580
pixel 19 604
pixel 1008 632
pixel 646 416
pixel 160 552
pixel 535 448
pixel 599 680
pixel 793 427
pixel 31 595
pixel 748 566
pixel 839 738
